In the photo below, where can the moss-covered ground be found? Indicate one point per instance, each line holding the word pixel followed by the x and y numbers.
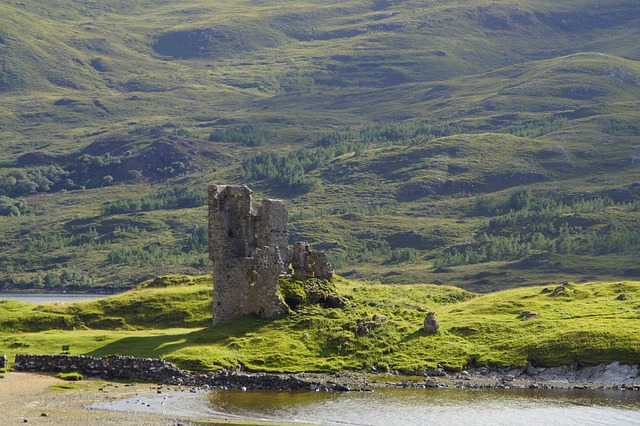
pixel 585 323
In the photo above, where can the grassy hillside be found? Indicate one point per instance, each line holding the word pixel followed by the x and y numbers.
pixel 380 328
pixel 395 131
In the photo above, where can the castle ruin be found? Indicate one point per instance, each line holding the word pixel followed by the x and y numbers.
pixel 250 251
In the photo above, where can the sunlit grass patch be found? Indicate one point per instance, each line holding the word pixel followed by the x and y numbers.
pixel 379 329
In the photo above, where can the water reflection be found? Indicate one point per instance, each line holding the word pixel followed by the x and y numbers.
pixel 438 406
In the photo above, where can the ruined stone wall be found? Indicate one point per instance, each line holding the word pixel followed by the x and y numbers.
pixel 250 251
pixel 111 367
pixel 160 371
pixel 310 263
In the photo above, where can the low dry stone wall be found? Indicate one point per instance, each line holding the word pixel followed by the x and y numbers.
pixel 110 367
pixel 160 371
pixel 613 375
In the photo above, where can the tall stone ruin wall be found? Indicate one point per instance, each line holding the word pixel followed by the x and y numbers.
pixel 250 251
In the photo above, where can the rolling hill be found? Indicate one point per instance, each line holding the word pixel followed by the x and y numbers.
pixel 474 143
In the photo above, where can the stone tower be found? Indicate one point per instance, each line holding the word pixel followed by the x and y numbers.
pixel 250 251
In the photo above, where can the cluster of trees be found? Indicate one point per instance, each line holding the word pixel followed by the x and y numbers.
pixel 198 241
pixel 149 255
pixel 64 278
pixel 156 130
pixel 12 207
pixel 412 132
pixel 248 135
pixel 400 255
pixel 409 132
pixel 76 174
pixel 536 128
pixel 286 171
pixel 175 198
pixel 154 254
pixel 522 203
pixel 56 240
pixel 621 128
pixel 82 171
pixel 24 182
pixel 568 240
pixel 290 171
pixel 526 224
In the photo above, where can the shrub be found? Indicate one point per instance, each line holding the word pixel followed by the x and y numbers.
pixel 72 376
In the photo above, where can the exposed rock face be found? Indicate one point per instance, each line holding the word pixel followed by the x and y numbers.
pixel 614 372
pixel 528 314
pixel 250 251
pixel 431 325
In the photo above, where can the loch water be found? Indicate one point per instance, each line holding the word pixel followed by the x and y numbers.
pixel 51 297
pixel 390 406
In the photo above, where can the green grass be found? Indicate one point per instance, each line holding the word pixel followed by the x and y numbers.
pixel 585 324
pixel 73 376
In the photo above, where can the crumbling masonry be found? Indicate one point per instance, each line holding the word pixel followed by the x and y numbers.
pixel 251 251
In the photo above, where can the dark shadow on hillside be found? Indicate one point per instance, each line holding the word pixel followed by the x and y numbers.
pixel 415 335
pixel 157 346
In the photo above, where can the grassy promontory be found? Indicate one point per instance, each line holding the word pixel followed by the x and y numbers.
pixel 169 317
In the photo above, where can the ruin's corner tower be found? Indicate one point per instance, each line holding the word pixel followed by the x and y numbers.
pixel 250 252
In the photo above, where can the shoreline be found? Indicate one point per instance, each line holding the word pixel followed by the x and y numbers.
pixel 154 370
pixel 613 376
pixel 41 398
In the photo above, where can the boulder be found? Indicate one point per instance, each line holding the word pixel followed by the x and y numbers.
pixel 431 325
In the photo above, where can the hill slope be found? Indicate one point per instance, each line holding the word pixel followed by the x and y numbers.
pixel 395 131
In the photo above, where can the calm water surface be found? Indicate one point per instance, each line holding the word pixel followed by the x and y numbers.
pixel 51 297
pixel 438 406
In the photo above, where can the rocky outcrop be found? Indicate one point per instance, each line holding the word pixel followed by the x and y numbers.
pixel 528 315
pixel 613 373
pixel 431 325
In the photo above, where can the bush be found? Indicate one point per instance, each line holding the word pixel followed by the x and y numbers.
pixel 72 376
pixel 11 207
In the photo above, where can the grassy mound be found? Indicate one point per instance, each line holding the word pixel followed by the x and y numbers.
pixel 73 376
pixel 380 328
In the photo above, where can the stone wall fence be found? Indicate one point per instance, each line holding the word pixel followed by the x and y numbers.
pixel 160 371
pixel 111 367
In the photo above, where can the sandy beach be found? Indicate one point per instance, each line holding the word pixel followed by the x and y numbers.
pixel 42 399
